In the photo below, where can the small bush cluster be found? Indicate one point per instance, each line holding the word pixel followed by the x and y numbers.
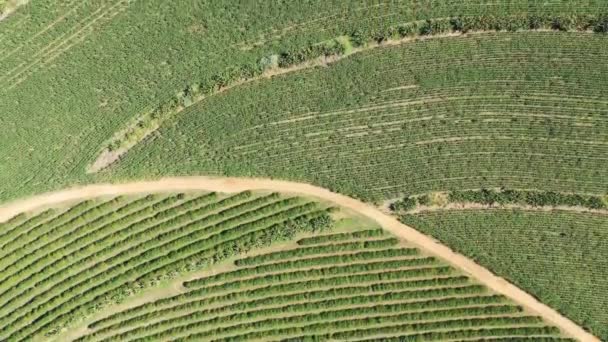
pixel 410 202
pixel 299 56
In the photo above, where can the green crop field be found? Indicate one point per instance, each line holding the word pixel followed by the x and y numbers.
pixel 559 257
pixel 427 110
pixel 353 283
pixel 67 263
pixel 523 110
pixel 334 286
pixel 82 70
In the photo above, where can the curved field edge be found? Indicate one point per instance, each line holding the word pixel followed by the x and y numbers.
pixel 230 185
pixel 324 53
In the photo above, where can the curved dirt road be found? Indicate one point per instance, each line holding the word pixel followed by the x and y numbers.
pixel 386 221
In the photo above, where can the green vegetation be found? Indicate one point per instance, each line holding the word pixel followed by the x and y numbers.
pixel 62 265
pixel 524 111
pixel 148 52
pixel 197 91
pixel 560 257
pixel 500 197
pixel 365 285
pixel 523 197
pixel 397 97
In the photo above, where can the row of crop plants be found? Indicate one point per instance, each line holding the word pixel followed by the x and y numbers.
pixel 90 258
pixel 346 285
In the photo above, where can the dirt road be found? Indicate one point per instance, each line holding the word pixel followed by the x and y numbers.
pixel 388 222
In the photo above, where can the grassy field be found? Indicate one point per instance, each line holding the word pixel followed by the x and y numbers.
pixel 521 110
pixel 233 267
pixel 558 257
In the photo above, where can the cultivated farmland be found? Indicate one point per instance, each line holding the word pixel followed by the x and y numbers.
pixel 560 257
pixel 352 285
pixel 429 110
pixel 521 110
pixel 80 71
pixel 62 264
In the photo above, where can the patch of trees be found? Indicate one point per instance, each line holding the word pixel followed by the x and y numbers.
pixel 527 197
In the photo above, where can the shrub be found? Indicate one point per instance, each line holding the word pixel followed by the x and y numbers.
pixel 424 200
pixel 601 25
pixel 405 204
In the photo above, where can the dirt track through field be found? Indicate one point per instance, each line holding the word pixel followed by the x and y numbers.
pixel 388 222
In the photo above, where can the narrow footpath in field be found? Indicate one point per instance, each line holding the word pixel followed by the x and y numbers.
pixel 230 185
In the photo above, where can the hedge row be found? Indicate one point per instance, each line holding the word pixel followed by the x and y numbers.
pixel 73 219
pixel 335 284
pixel 123 237
pixel 525 197
pixel 440 325
pixel 301 302
pixel 329 316
pixel 54 258
pixel 322 272
pixel 319 261
pixel 358 323
pixel 484 334
pixel 322 249
pixel 216 247
pixel 275 295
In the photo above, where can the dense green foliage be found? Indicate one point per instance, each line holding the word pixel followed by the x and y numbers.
pixel 63 265
pixel 514 110
pixel 523 197
pixel 560 257
pixel 519 105
pixel 499 197
pixel 197 91
pixel 323 290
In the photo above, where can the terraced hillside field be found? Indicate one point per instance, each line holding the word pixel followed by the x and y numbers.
pixel 560 257
pixel 357 282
